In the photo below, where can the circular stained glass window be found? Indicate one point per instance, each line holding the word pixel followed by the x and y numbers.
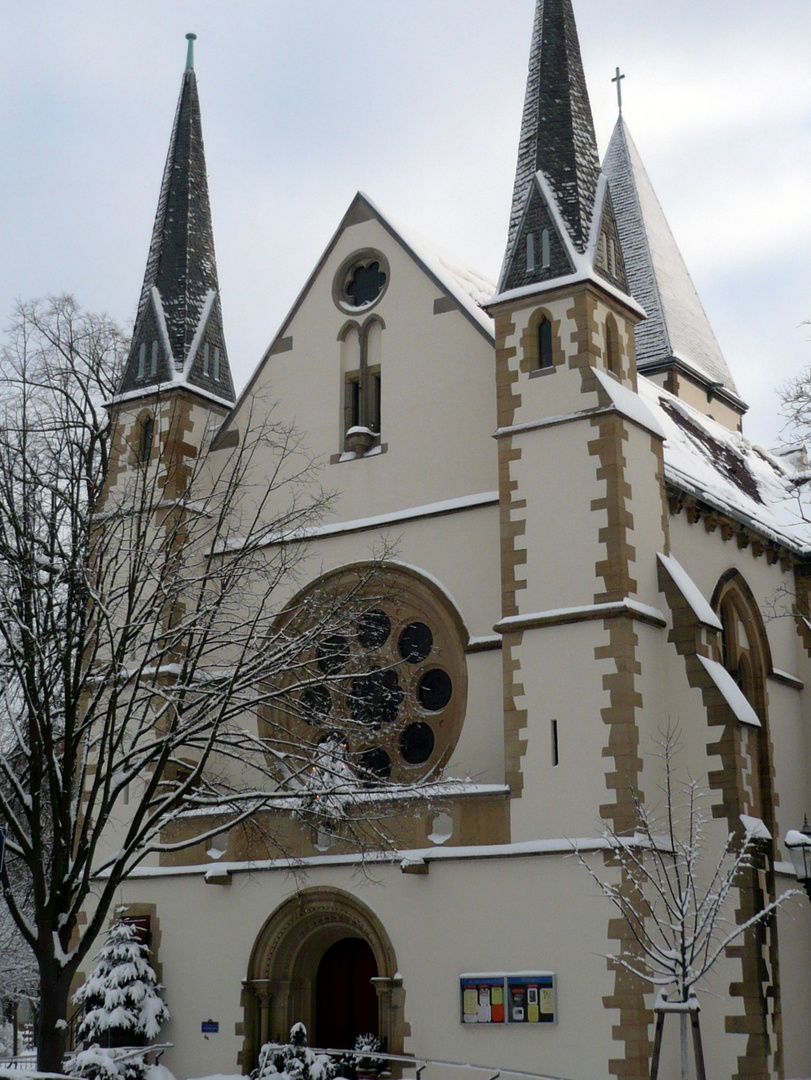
pixel 392 684
pixel 375 698
pixel 333 654
pixel 361 281
pixel 364 283
pixel 435 690
pixel 417 743
pixel 415 643
pixel 375 764
pixel 374 628
pixel 316 704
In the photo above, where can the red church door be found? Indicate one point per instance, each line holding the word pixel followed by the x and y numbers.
pixel 345 999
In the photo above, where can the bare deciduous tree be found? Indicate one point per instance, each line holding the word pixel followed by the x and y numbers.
pixel 148 666
pixel 677 894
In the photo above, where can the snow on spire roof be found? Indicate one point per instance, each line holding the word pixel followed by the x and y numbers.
pixel 557 130
pixel 562 219
pixel 676 327
pixel 178 334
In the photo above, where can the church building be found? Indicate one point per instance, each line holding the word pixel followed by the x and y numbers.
pixel 581 549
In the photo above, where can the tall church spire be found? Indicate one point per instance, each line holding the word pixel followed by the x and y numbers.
pixel 561 221
pixel 178 338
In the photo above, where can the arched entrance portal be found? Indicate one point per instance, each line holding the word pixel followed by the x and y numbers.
pixel 345 996
pixel 322 958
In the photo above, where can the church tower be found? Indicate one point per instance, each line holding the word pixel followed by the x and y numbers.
pixel 582 501
pixel 177 381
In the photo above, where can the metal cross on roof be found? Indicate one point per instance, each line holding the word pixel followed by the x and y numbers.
pixel 618 80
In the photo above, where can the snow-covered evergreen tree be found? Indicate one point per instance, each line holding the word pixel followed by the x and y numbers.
pixel 122 997
pixel 296 1061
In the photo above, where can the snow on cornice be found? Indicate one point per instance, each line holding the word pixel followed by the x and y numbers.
pixel 161 389
pixel 581 276
pixel 553 846
pixel 726 471
pixel 378 521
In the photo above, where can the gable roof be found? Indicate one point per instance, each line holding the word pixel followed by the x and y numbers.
pixel 677 327
pixel 467 289
pixel 178 336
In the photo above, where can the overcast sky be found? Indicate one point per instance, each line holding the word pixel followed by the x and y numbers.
pixel 417 103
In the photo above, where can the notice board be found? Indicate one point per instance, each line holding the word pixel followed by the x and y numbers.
pixel 522 997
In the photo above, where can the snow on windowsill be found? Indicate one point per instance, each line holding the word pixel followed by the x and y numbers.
pixel 629 404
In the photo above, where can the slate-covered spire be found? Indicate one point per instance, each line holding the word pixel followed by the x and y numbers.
pixel 677 331
pixel 561 215
pixel 178 337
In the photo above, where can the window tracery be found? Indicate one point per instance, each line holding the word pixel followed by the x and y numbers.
pixel 387 691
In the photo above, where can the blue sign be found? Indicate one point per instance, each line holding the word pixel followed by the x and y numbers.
pixel 210 1027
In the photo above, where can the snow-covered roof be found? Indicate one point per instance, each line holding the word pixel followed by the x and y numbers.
pixel 728 472
pixel 180 306
pixel 557 131
pixel 677 326
pixel 469 288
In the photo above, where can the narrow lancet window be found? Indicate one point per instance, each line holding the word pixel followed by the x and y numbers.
pixel 530 252
pixel 215 372
pixel 545 357
pixel 142 360
pixel 153 370
pixel 206 358
pixel 147 437
pixel 546 250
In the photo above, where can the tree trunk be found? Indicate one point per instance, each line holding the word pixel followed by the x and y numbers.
pixel 52 1028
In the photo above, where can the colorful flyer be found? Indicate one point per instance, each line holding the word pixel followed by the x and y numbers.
pixel 482 999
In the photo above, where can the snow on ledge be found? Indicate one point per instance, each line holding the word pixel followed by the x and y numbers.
pixel 395 517
pixel 690 591
pixel 564 846
pixel 731 692
pixel 629 404
pixel 754 827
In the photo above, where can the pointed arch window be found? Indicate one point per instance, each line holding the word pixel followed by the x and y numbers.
pixel 740 646
pixel 546 357
pixel 147 438
pixel 153 367
pixel 361 357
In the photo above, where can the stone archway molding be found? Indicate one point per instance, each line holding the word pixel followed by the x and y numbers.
pixel 279 989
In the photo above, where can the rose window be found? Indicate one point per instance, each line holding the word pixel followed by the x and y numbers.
pixel 391 685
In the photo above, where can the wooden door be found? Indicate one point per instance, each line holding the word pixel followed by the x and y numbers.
pixel 345 999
